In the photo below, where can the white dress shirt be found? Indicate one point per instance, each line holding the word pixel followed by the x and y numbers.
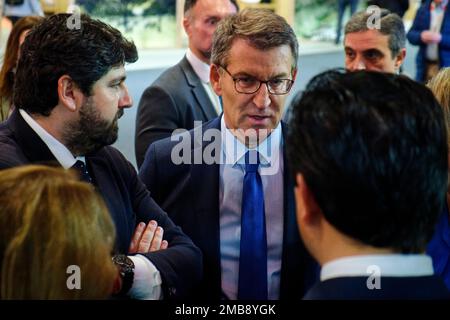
pixel 202 69
pixel 436 19
pixel 389 265
pixel 230 201
pixel 147 279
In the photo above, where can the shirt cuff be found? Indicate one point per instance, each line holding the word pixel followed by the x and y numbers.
pixel 147 280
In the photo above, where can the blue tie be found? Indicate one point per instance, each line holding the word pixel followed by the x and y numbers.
pixel 253 252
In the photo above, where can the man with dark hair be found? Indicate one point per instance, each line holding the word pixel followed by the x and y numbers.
pixel 183 94
pixel 371 181
pixel 69 94
pixel 236 201
pixel 375 45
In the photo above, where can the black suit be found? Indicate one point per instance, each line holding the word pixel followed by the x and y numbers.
pixel 175 100
pixel 190 195
pixel 126 197
pixel 355 288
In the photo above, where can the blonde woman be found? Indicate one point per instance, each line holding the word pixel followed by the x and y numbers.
pixel 439 246
pixel 56 236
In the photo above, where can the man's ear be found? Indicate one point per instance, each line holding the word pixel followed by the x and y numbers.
pixel 187 25
pixel 308 211
pixel 68 93
pixel 400 58
pixel 294 73
pixel 214 78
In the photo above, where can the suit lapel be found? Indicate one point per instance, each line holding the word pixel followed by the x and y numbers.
pixel 205 183
pixel 197 90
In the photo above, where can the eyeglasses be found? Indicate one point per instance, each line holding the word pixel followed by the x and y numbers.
pixel 249 85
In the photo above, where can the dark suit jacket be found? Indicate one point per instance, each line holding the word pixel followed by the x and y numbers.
pixel 355 288
pixel 396 6
pixel 422 23
pixel 175 100
pixel 190 194
pixel 126 197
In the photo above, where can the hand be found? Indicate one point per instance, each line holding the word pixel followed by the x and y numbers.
pixel 148 238
pixel 430 37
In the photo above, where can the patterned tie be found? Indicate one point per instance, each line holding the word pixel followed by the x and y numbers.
pixel 81 168
pixel 253 252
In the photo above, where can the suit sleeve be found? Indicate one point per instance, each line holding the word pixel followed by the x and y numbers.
pixel 180 264
pixel 445 32
pixel 417 28
pixel 157 117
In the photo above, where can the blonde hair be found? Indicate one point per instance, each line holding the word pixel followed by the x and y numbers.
pixel 49 220
pixel 440 85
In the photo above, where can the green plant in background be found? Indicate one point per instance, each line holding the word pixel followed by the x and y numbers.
pixel 316 19
pixel 149 23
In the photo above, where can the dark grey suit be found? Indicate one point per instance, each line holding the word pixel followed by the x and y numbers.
pixel 175 100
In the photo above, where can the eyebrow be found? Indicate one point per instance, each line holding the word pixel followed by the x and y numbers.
pixel 119 79
pixel 373 50
pixel 277 76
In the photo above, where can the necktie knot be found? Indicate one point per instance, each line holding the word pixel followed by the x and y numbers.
pixel 252 161
pixel 82 170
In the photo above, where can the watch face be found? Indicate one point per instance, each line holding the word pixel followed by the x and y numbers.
pixel 126 270
pixel 124 262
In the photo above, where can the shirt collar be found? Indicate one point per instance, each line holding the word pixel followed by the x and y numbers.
pixel 200 68
pixel 235 150
pixel 60 151
pixel 441 6
pixel 393 265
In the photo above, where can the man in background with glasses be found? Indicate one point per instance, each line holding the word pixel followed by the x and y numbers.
pixel 239 209
pixel 182 94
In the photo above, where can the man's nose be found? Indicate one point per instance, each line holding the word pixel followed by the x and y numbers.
pixel 125 100
pixel 358 64
pixel 262 96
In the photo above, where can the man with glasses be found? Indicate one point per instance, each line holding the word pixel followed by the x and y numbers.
pixel 239 208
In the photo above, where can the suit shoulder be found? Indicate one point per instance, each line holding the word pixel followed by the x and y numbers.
pixel 11 154
pixel 171 79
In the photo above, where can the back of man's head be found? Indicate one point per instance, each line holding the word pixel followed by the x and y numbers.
pixel 371 148
pixel 389 24
pixel 85 50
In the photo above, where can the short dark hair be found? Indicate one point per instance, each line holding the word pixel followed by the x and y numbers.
pixel 52 50
pixel 372 149
pixel 391 25
pixel 261 28
pixel 188 4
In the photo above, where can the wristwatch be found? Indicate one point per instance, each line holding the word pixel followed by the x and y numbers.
pixel 126 270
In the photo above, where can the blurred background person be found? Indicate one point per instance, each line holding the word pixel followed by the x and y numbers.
pixel 395 6
pixel 342 6
pixel 439 246
pixel 431 32
pixel 49 220
pixel 16 9
pixel 11 56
